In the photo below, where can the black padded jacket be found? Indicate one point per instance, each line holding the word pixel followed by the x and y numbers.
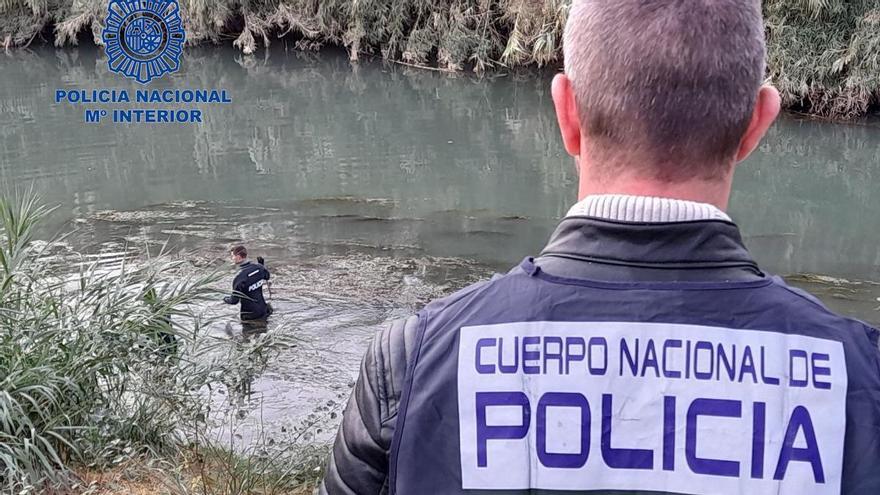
pixel 248 291
pixel 359 460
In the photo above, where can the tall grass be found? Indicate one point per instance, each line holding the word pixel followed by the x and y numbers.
pixel 88 378
pixel 85 375
pixel 822 53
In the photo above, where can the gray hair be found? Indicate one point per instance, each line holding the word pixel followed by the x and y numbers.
pixel 670 83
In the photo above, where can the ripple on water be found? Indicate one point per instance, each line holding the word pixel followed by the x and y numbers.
pixel 330 306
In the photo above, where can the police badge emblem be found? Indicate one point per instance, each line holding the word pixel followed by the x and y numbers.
pixel 143 39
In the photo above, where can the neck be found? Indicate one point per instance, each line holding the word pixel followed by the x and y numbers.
pixel 714 192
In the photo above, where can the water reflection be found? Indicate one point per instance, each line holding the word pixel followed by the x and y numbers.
pixel 453 166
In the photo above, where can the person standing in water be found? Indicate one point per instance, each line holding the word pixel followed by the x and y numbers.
pixel 247 287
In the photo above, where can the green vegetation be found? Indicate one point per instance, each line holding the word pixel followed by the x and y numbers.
pixel 91 377
pixel 824 54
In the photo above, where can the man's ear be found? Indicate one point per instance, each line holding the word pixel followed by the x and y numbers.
pixel 766 109
pixel 567 114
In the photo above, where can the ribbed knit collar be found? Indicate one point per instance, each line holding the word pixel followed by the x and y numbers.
pixel 624 208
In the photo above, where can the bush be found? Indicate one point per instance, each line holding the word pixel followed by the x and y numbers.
pixel 95 364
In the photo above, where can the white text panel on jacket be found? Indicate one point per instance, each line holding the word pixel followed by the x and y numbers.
pixel 650 406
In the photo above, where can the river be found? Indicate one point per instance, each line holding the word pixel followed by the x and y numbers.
pixel 370 189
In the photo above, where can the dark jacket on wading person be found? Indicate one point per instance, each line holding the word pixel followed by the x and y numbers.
pixel 643 350
pixel 247 286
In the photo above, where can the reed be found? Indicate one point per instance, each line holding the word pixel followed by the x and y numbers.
pixel 101 367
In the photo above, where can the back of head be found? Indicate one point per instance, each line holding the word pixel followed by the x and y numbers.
pixel 239 251
pixel 669 85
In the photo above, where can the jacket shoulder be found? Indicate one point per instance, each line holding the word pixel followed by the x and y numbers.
pixel 803 297
pixel 460 296
pixel 391 352
pixel 862 337
pixel 391 349
pixel 359 459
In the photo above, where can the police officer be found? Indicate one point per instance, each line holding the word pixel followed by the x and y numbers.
pixel 644 350
pixel 247 287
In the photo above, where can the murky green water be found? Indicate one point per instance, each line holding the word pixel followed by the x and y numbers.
pixel 372 189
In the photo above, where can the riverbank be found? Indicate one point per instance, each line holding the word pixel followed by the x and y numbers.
pixel 214 472
pixel 821 54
